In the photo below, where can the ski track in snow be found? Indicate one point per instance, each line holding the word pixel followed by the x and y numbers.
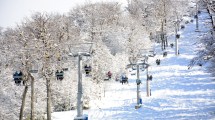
pixel 177 93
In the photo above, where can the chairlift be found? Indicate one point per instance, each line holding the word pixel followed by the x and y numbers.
pixel 182 26
pixel 17 77
pixel 186 22
pixel 109 74
pixel 143 67
pixel 158 61
pixel 59 75
pixel 65 69
pixel 138 81
pixel 171 45
pixel 164 54
pixel 106 79
pixel 34 67
pixel 149 77
pixel 134 67
pixel 199 12
pixel 124 79
pixel 177 36
pixel 152 53
pixel 87 69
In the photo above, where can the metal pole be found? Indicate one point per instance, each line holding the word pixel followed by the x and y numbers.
pixel 80 94
pixel 147 83
pixel 178 25
pixel 176 41
pixel 197 19
pixel 176 46
pixel 149 89
pixel 138 85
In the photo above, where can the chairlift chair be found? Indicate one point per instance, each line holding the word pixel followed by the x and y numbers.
pixel 134 67
pixel 17 77
pixel 109 74
pixel 106 78
pixel 124 79
pixel 138 81
pixel 117 78
pixel 65 69
pixel 59 75
pixel 152 53
pixel 149 77
pixel 182 26
pixel 199 11
pixel 164 54
pixel 158 61
pixel 178 36
pixel 87 69
pixel 171 45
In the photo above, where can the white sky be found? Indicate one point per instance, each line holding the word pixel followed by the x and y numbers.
pixel 14 11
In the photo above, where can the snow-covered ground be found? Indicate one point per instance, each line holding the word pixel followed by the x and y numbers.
pixel 177 93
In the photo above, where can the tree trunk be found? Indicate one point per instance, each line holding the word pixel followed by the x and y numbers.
pixel 166 40
pixel 32 96
pixel 23 103
pixel 163 39
pixel 48 87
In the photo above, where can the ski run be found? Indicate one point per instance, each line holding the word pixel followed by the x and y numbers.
pixel 176 91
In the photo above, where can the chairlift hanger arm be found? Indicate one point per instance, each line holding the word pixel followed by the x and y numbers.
pixel 75 54
pixel 138 64
pixel 80 54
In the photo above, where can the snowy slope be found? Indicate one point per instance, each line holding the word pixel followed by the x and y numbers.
pixel 177 93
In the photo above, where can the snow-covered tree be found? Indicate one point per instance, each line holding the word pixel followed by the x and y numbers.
pixel 206 52
pixel 44 41
pixel 206 47
pixel 89 28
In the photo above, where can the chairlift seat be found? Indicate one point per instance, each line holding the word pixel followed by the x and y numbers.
pixel 152 55
pixel 134 68
pixel 133 73
pixel 182 26
pixel 60 77
pixel 106 79
pixel 65 69
pixel 178 36
pixel 87 68
pixel 88 75
pixel 138 81
pixel 18 82
pixel 59 74
pixel 164 54
pixel 171 45
pixel 124 79
pixel 17 77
